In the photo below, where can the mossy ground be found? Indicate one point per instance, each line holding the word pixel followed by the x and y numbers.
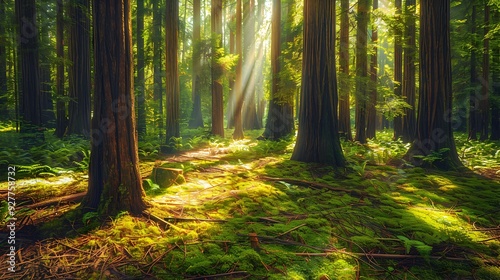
pixel 381 222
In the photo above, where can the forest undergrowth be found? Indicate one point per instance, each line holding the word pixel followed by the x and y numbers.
pixel 245 211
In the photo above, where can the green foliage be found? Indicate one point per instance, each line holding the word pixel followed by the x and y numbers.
pixel 422 248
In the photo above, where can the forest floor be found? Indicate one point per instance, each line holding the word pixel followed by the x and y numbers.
pixel 245 211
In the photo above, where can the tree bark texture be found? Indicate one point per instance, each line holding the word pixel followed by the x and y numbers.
pixel 318 138
pixel 114 181
pixel 362 70
pixel 79 72
pixel 196 119
pixel 398 70
pixel 238 84
pixel 434 128
pixel 344 88
pixel 371 111
pixel 140 81
pixel 217 89
pixel 61 119
pixel 172 72
pixel 408 119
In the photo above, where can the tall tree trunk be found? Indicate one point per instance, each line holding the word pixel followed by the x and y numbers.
pixel 362 69
pixel 318 138
pixel 259 85
pixel 140 81
pixel 29 81
pixel 473 100
pixel 344 87
pixel 217 93
pixel 250 111
pixel 231 103
pixel 196 119
pixel 409 119
pixel 371 110
pixel 157 73
pixel 495 101
pixel 4 112
pixel 398 70
pixel 172 80
pixel 79 74
pixel 280 115
pixel 61 119
pixel 484 108
pixel 434 133
pixel 238 85
pixel 46 102
pixel 114 180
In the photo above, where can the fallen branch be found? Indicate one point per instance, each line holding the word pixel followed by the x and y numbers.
pixel 290 230
pixel 195 220
pixel 216 276
pixel 77 197
pixel 162 222
pixel 315 185
pixel 380 256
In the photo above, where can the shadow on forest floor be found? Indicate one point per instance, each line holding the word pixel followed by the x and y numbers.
pixel 247 211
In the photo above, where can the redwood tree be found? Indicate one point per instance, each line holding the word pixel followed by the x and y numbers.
pixel 344 104
pixel 434 134
pixel 114 181
pixel 408 119
pixel 362 69
pixel 217 93
pixel 484 108
pixel 28 58
pixel 140 81
pixel 238 84
pixel 3 64
pixel 79 73
pixel 196 119
pixel 398 69
pixel 280 116
pixel 171 69
pixel 318 138
pixel 371 111
pixel 61 119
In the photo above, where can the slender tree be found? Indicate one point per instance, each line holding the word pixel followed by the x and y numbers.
pixel 157 67
pixel 398 69
pixel 28 57
pixel 238 84
pixel 280 116
pixel 172 81
pixel 232 49
pixel 434 133
pixel 371 111
pixel 408 119
pixel 318 138
pixel 196 119
pixel 362 69
pixel 217 90
pixel 61 119
pixel 140 80
pixel 79 73
pixel 114 180
pixel 250 120
pixel 495 73
pixel 344 88
pixel 484 108
pixel 473 102
pixel 3 64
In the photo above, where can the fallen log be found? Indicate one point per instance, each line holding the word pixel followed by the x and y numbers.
pixel 77 197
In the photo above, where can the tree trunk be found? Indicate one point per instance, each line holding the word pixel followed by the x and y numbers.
pixel 398 70
pixel 61 119
pixel 495 101
pixel 484 108
pixel 238 86
pixel 371 110
pixel 157 73
pixel 79 73
pixel 114 181
pixel 4 112
pixel 473 100
pixel 279 122
pixel 172 72
pixel 344 87
pixel 434 133
pixel 362 70
pixel 217 93
pixel 46 102
pixel 250 111
pixel 196 119
pixel 318 138
pixel 231 103
pixel 29 81
pixel 408 120
pixel 140 81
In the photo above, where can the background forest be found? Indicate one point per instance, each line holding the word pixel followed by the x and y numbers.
pixel 259 139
